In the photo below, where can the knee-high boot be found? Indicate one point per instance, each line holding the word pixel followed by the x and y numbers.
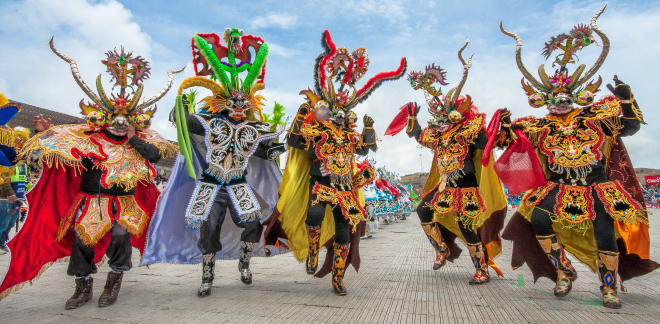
pixel 208 274
pixel 314 238
pixel 608 263
pixel 566 274
pixel 244 262
pixel 478 256
pixel 339 268
pixel 441 250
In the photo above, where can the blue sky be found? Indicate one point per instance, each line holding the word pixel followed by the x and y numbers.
pixel 424 32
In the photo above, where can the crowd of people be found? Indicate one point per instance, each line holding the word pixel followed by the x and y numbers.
pixel 652 195
pixel 386 200
pixel 513 200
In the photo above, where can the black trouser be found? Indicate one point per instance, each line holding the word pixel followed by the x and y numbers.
pixel 209 233
pixel 119 253
pixel 425 214
pixel 603 223
pixel 316 213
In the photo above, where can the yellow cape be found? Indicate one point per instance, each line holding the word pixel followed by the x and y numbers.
pixel 294 198
pixel 492 192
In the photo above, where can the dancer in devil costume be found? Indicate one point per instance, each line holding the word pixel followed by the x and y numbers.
pixel 226 169
pixel 587 194
pixel 96 193
pixel 321 198
pixel 461 198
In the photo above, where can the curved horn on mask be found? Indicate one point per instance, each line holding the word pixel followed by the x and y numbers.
pixel 466 67
pixel 519 61
pixel 170 80
pixel 76 74
pixel 603 53
pixel 107 106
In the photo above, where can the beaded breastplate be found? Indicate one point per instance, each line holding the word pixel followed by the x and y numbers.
pixel 335 148
pixel 230 145
pixel 573 144
pixel 451 147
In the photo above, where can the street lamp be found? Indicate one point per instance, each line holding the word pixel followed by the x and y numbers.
pixel 421 166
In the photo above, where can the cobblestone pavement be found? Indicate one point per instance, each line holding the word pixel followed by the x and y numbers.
pixel 395 284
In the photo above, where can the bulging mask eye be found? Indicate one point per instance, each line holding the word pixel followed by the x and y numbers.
pixel 584 98
pixel 536 100
pixel 96 119
pixel 352 117
pixel 454 116
pixel 142 121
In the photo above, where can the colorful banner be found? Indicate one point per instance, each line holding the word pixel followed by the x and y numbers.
pixel 652 180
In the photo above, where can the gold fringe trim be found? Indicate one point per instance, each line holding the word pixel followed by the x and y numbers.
pixel 613 124
pixel 43 269
pixel 580 227
pixel 136 231
pixel 470 222
pixel 20 286
pixel 65 223
pixel 88 239
pixel 59 162
pixel 535 137
pixel 638 216
pixel 7 137
pixel 166 149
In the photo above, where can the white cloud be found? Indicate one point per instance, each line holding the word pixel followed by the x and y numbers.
pixel 281 51
pixel 273 20
pixel 84 32
pixel 391 10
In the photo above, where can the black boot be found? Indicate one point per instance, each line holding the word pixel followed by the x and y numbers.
pixel 111 289
pixel 83 294
pixel 313 238
pixel 339 268
pixel 208 274
pixel 607 269
pixel 244 262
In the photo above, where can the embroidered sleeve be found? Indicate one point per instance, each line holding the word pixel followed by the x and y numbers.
pixel 533 128
pixel 428 137
pixel 606 113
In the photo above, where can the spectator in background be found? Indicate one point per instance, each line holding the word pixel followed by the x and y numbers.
pixel 13 187
pixel 9 207
pixel 651 195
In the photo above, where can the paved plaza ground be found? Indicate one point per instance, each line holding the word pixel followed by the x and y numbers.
pixel 396 284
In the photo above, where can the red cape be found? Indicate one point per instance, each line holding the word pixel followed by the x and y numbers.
pixel 35 248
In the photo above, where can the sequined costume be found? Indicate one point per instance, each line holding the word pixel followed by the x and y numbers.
pixel 321 175
pixel 587 194
pixel 461 198
pixel 96 194
pixel 228 153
